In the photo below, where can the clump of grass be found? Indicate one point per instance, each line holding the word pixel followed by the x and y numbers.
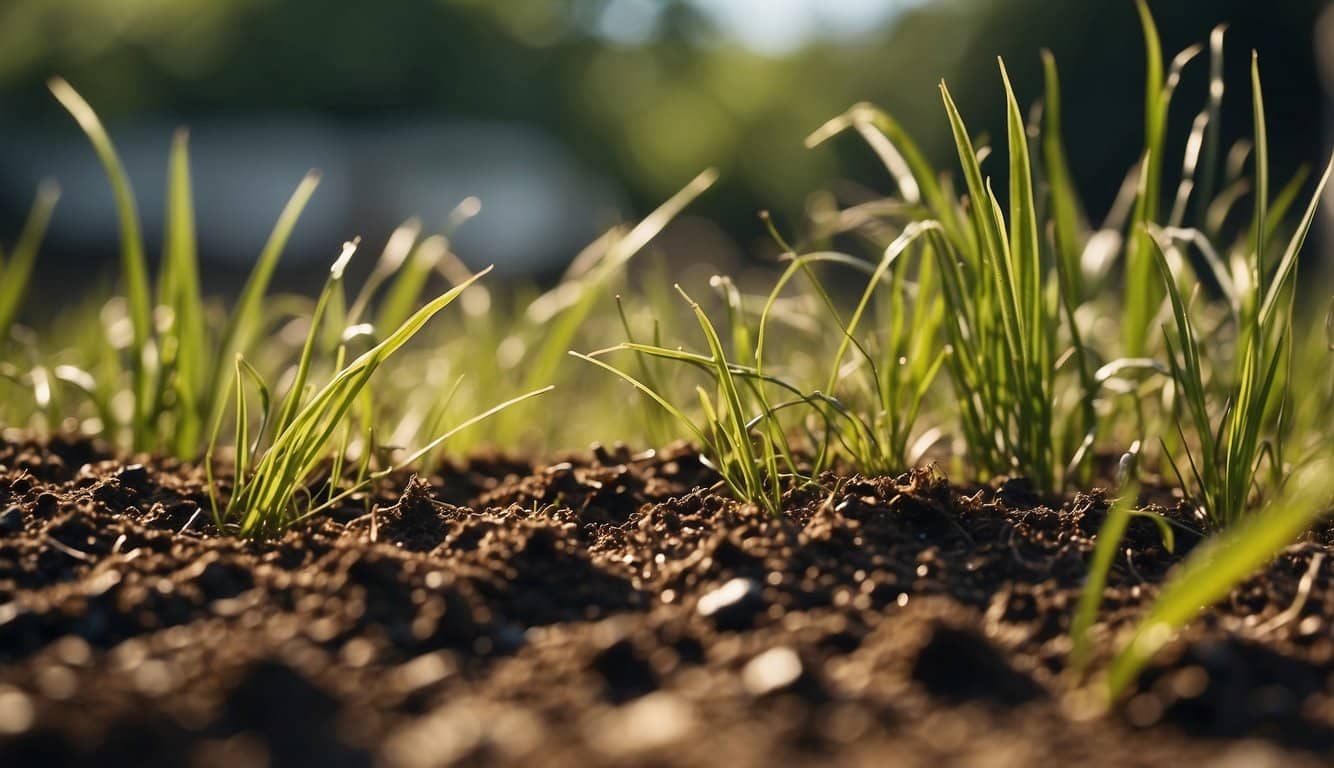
pixel 1236 421
pixel 739 431
pixel 179 374
pixel 1007 333
pixel 297 437
pixel 1024 385
pixel 1229 420
pixel 872 402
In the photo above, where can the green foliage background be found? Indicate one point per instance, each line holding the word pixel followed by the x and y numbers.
pixel 648 116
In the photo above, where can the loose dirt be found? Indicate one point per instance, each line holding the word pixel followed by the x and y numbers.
pixel 605 609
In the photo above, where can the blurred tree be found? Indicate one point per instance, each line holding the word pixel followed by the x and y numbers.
pixel 651 108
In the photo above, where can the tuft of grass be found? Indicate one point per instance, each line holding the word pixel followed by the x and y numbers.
pixel 179 374
pixel 871 404
pixel 1228 427
pixel 1009 324
pixel 739 431
pixel 275 467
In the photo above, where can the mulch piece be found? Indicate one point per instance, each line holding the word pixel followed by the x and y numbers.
pixel 609 609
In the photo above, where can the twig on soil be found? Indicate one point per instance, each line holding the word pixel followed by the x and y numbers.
pixel 1298 602
pixel 66 549
pixel 198 511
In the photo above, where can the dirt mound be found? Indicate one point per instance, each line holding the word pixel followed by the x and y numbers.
pixel 605 609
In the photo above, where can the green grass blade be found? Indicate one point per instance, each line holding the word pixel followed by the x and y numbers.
pixel 1218 565
pixel 292 401
pixel 1213 110
pixel 179 290
pixel 1258 227
pixel 245 317
pixel 735 423
pixel 1090 597
pixel 398 249
pixel 17 270
pixel 972 172
pixel 1023 220
pixel 265 404
pixel 407 287
pixel 1066 214
pixel 1142 295
pixel 1287 265
pixel 134 264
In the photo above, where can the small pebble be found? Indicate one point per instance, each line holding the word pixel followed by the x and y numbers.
pixel 773 670
pixel 425 670
pixel 651 722
pixel 734 605
pixel 11 520
pixel 16 711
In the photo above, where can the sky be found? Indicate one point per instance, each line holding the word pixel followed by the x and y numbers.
pixel 771 27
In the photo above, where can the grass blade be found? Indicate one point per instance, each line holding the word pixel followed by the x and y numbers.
pixel 179 290
pixel 1218 565
pixel 249 305
pixel 15 273
pixel 134 264
pixel 1090 597
pixel 1142 294
pixel 1066 214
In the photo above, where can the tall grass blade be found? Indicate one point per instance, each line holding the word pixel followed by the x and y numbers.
pixel 1066 215
pixel 17 270
pixel 134 264
pixel 249 305
pixel 1142 294
pixel 186 348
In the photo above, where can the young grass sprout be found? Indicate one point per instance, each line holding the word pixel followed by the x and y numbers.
pixel 276 492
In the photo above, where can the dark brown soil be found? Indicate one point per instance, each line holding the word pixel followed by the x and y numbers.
pixel 606 610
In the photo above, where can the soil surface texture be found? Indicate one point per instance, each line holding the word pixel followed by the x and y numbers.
pixel 610 609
